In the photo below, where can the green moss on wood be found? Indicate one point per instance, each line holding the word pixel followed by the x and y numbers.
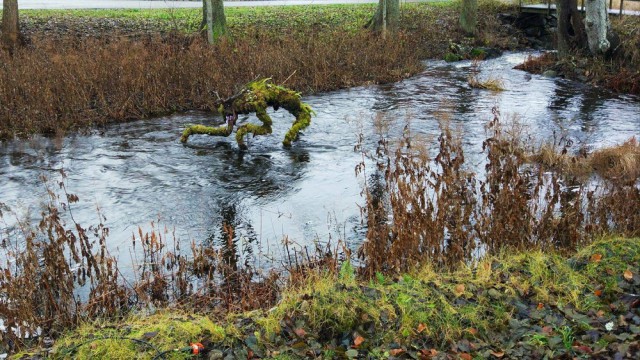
pixel 256 97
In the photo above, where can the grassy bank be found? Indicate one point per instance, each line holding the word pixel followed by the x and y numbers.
pixel 89 68
pixel 524 305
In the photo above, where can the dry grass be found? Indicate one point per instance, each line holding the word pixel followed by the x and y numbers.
pixel 490 83
pixel 620 163
pixel 50 87
pixel 114 70
pixel 432 209
pixel 628 5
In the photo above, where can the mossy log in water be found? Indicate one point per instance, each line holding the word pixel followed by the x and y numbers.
pixel 256 97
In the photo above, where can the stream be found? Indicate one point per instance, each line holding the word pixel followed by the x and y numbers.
pixel 137 173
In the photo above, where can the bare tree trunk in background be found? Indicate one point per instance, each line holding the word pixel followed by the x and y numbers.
pixel 596 25
pixel 469 16
pixel 386 17
pixel 570 33
pixel 215 19
pixel 10 25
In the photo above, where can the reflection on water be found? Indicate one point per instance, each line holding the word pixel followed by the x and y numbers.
pixel 138 172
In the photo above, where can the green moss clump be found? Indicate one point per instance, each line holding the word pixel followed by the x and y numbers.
pixel 138 337
pixel 451 57
pixel 256 97
pixel 205 130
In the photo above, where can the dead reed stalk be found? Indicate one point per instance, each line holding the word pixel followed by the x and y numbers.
pixel 436 210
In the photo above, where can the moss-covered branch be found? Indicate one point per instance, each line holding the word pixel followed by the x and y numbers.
pixel 256 97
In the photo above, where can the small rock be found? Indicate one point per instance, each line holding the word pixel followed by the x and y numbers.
pixel 352 353
pixel 216 354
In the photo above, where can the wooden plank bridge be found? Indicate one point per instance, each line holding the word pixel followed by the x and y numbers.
pixel 550 8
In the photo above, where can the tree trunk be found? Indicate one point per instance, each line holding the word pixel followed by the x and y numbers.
pixel 469 16
pixel 596 25
pixel 10 24
pixel 383 20
pixel 570 33
pixel 216 21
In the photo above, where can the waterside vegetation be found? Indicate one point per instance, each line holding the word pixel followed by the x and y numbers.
pixel 534 255
pixel 526 305
pixel 144 64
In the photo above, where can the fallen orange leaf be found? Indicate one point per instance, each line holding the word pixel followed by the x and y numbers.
pixel 598 292
pixel 497 354
pixel 428 354
pixel 459 289
pixel 300 332
pixel 596 257
pixel 472 331
pixel 421 327
pixel 358 340
pixel 465 356
pixel 628 275
pixel 396 352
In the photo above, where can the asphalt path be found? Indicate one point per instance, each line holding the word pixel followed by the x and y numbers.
pixel 161 4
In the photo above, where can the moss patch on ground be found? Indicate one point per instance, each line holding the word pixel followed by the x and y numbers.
pixel 527 305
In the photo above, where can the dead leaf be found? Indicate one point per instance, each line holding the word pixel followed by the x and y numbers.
pixel 497 354
pixel 459 289
pixel 600 313
pixel 583 349
pixel 465 356
pixel 396 352
pixel 598 292
pixel 547 330
pixel 472 331
pixel 300 332
pixel 421 327
pixel 358 340
pixel 628 275
pixel 596 257
pixel 428 353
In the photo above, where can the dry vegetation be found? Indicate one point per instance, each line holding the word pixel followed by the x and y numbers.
pixel 422 206
pixel 76 73
pixel 619 164
pixel 618 71
pixel 433 209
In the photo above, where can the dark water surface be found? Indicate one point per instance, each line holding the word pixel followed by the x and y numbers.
pixel 139 172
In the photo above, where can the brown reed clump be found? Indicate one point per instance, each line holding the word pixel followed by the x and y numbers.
pixel 58 273
pixel 433 209
pixel 53 86
pixel 538 64
pixel 616 164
